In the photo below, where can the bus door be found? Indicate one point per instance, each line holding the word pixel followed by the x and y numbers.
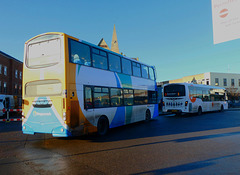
pixel 89 111
pixel 213 104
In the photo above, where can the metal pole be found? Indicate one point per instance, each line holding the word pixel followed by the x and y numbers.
pixel 7 115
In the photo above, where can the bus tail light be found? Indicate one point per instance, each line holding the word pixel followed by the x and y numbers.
pixel 163 103
pixel 186 103
pixel 23 116
pixel 64 116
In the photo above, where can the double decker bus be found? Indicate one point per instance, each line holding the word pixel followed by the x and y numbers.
pixel 193 98
pixel 72 87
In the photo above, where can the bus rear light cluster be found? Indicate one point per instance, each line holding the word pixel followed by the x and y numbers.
pixel 23 116
pixel 186 103
pixel 64 116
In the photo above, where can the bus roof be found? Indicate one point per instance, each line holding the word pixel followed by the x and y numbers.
pixel 85 42
pixel 196 85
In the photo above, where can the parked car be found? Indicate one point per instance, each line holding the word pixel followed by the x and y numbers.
pixel 6 102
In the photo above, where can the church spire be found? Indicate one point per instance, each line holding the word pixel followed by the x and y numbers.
pixel 114 46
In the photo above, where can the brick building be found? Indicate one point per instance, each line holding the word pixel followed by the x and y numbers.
pixel 10 75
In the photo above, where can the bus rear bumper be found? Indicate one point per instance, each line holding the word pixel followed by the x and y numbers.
pixel 59 131
pixel 27 129
pixel 175 111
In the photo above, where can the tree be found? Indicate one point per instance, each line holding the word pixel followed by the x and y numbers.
pixel 233 94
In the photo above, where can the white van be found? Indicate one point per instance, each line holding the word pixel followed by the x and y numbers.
pixel 1 108
pixel 6 102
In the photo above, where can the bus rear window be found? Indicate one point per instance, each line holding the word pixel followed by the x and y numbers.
pixel 174 91
pixel 43 88
pixel 44 51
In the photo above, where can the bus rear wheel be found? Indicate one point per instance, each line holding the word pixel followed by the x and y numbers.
pixel 222 108
pixel 199 110
pixel 102 126
pixel 148 115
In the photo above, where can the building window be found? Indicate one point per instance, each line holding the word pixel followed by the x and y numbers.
pixel 216 82
pixel 0 69
pixel 5 70
pixel 207 82
pixel 20 75
pixel 16 88
pixel 224 82
pixel 20 89
pixel 5 87
pixel 16 73
pixel 232 82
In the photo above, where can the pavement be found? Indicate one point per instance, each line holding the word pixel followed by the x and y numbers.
pixel 233 109
pixel 229 109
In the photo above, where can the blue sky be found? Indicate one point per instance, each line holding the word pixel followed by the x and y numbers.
pixel 174 35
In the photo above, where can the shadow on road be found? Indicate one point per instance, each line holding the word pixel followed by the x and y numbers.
pixel 10 126
pixel 189 166
pixel 160 126
pixel 168 125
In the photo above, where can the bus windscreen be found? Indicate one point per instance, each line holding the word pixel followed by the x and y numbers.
pixel 44 51
pixel 174 91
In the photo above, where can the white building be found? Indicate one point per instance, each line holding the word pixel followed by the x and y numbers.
pixel 226 80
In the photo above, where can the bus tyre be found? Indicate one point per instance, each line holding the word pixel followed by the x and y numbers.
pixel 148 115
pixel 222 108
pixel 102 126
pixel 199 110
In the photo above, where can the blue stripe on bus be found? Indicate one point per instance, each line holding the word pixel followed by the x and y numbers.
pixel 155 114
pixel 119 118
pixel 117 80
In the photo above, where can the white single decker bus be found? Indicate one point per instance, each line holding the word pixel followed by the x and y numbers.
pixel 193 98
